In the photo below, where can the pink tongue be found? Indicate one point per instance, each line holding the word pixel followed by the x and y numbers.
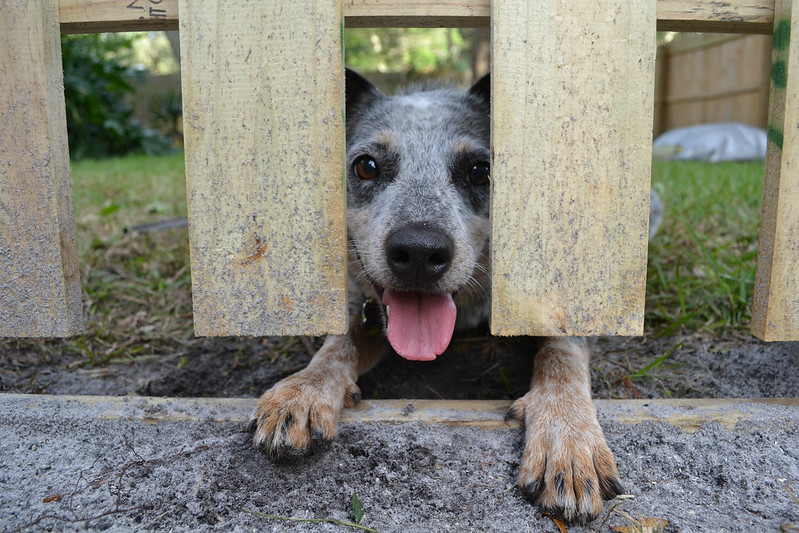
pixel 419 325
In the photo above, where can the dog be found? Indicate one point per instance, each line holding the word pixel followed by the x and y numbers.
pixel 418 184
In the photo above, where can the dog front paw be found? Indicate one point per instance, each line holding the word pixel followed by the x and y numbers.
pixel 301 407
pixel 567 468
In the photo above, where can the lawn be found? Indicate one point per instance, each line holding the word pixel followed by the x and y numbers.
pixel 702 263
pixel 137 286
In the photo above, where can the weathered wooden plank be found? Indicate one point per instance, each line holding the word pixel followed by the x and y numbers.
pixel 39 283
pixel 572 103
pixel 775 309
pixel 734 16
pixel 686 413
pixel 94 16
pixel 263 100
pixel 723 16
pixel 417 13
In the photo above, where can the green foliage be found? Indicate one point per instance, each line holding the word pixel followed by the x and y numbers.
pixel 357 508
pixel 167 112
pixel 657 363
pixel 416 51
pixel 96 83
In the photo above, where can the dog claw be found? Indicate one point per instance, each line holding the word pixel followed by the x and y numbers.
pixel 352 396
pixel 252 426
pixel 512 414
pixel 533 490
pixel 516 411
pixel 579 518
pixel 610 488
pixel 286 423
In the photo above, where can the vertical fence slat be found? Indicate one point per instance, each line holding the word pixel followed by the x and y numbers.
pixel 573 89
pixel 775 309
pixel 39 282
pixel 263 97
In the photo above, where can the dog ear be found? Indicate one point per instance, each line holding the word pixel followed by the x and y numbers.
pixel 358 91
pixel 482 89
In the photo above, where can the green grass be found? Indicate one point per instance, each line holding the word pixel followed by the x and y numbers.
pixel 137 287
pixel 121 191
pixel 702 263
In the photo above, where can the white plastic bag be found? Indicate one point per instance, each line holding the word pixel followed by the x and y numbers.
pixel 728 141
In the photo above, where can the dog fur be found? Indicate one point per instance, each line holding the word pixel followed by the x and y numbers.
pixel 417 179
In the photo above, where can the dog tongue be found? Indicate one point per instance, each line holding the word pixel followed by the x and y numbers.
pixel 419 325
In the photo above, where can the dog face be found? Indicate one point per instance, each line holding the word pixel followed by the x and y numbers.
pixel 418 200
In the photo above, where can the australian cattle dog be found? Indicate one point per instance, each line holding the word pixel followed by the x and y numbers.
pixel 418 183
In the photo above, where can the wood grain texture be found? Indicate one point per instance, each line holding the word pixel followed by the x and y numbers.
pixel 775 308
pixel 732 16
pixel 572 104
pixel 718 16
pixel 39 283
pixel 94 16
pixel 714 78
pixel 263 100
pixel 686 413
pixel 417 13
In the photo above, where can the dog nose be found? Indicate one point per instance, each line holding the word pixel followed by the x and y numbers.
pixel 419 254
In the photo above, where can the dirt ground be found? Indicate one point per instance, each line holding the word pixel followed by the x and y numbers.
pixel 476 367
pixel 74 465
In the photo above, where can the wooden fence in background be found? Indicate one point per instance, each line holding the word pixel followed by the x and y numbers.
pixel 572 100
pixel 705 78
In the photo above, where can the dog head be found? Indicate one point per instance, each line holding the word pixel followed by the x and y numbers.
pixel 418 202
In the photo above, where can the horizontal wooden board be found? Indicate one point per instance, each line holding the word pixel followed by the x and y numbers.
pixel 39 283
pixel 687 414
pixel 733 16
pixel 95 16
pixel 721 16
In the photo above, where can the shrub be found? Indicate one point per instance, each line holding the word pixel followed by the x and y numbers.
pixel 100 119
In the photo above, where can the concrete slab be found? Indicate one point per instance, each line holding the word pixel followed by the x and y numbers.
pixel 133 463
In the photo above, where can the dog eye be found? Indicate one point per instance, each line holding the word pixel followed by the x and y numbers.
pixel 480 173
pixel 366 168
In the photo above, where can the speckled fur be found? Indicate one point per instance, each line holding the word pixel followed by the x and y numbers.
pixel 420 140
pixel 420 133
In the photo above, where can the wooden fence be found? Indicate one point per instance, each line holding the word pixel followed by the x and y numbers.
pixel 572 100
pixel 705 78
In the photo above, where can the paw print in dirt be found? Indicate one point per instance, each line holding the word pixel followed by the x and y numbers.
pixel 567 468
pixel 300 407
